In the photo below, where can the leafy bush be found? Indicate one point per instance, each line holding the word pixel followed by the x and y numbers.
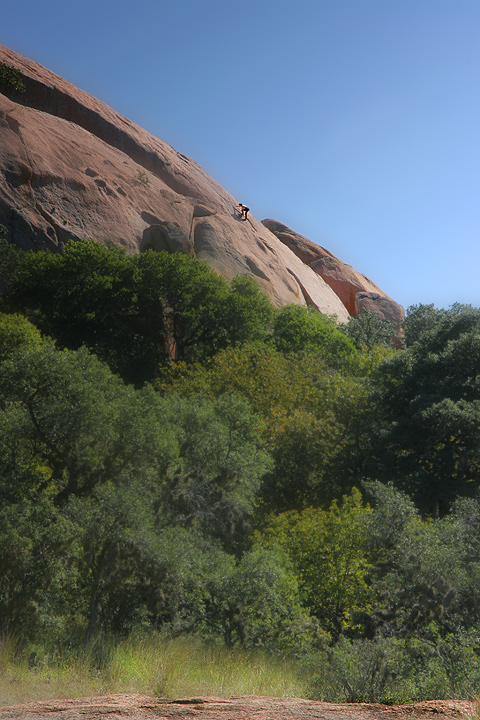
pixel 296 329
pixel 327 549
pixel 390 670
pixel 367 330
pixel 256 603
pixel 360 671
pixel 17 332
pixel 10 78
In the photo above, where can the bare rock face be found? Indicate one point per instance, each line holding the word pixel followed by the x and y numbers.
pixel 143 707
pixel 73 168
pixel 356 291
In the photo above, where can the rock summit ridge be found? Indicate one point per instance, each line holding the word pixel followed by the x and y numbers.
pixel 355 290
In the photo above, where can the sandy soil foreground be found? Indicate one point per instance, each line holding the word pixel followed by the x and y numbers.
pixel 142 707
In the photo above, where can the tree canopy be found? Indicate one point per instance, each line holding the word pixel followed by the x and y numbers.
pixel 427 404
pixel 178 455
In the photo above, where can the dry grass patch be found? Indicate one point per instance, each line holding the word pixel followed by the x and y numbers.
pixel 153 666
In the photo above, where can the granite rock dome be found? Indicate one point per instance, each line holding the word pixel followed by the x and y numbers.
pixel 73 168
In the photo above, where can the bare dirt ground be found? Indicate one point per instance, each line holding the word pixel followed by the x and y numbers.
pixel 142 707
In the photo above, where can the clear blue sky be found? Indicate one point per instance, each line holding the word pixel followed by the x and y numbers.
pixel 355 122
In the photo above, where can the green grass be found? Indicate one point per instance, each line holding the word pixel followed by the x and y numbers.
pixel 154 666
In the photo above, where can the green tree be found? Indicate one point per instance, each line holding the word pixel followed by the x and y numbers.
pixel 202 313
pixel 367 330
pixel 10 256
pixel 424 572
pixel 328 551
pixel 38 580
pixel 248 312
pixel 425 410
pixel 128 483
pixel 134 312
pixel 256 603
pixel 68 424
pixel 134 569
pixel 213 485
pixel 87 296
pixel 296 329
pixel 308 412
pixel 17 332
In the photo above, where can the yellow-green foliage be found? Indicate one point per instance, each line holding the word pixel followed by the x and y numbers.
pixel 327 549
pixel 273 383
pixel 308 411
pixel 17 332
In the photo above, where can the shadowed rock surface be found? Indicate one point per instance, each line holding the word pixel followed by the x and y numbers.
pixel 73 168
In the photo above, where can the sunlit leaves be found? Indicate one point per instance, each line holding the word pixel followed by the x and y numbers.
pixel 329 555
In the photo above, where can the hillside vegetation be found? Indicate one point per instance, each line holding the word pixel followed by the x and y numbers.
pixel 181 460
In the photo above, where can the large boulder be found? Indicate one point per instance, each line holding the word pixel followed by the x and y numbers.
pixel 356 291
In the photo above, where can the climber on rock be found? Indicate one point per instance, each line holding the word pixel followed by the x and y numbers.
pixel 243 210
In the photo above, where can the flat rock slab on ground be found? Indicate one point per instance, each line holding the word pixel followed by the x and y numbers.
pixel 143 707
